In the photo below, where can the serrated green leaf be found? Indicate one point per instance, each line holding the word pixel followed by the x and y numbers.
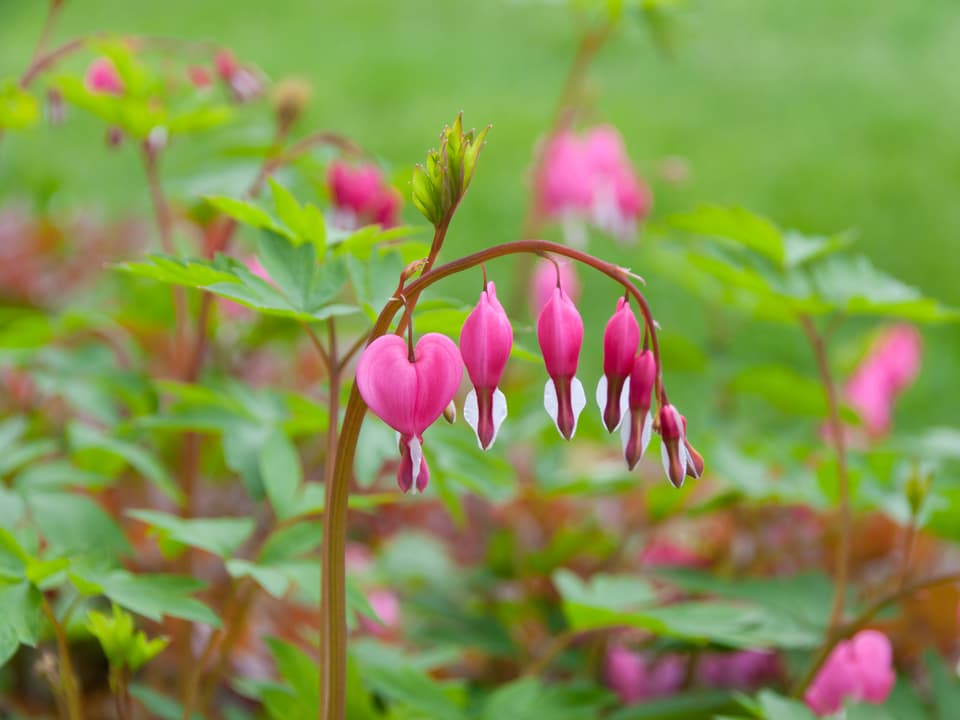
pixel 18 108
pixel 152 596
pixel 20 612
pixel 74 524
pixel 736 225
pixel 220 536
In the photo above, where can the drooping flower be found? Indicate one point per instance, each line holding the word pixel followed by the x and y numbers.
pixel 859 669
pixel 888 369
pixel 361 196
pixel 635 433
pixel 485 342
pixel 673 445
pixel 590 178
pixel 409 388
pixel 560 334
pixel 544 281
pixel 635 677
pixel 102 78
pixel 620 342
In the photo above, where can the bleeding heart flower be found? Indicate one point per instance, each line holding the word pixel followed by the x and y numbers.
pixel 409 389
pixel 860 669
pixel 673 447
pixel 102 78
pixel 560 333
pixel 620 342
pixel 637 431
pixel 485 342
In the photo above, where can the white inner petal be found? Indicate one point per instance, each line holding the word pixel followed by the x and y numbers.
pixel 602 396
pixel 550 401
pixel 499 412
pixel 647 432
pixel 578 401
pixel 416 461
pixel 665 457
pixel 624 401
pixel 625 434
pixel 471 411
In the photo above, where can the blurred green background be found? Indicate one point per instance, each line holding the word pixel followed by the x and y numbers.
pixel 822 115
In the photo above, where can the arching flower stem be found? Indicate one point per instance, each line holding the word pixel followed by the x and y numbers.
pixel 333 590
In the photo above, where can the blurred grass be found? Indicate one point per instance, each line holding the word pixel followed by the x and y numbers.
pixel 822 115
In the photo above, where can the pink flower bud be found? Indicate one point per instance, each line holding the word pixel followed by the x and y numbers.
pixel 620 342
pixel 635 434
pixel 673 448
pixel 409 394
pixel 544 281
pixel 485 342
pixel 102 78
pixel 226 63
pixel 560 334
pixel 859 669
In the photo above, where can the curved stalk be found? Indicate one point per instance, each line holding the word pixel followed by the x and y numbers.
pixel 333 591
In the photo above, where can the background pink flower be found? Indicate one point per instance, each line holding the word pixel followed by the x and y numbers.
pixel 859 669
pixel 890 366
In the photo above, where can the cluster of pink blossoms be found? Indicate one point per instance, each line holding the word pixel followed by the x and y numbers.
pixel 589 178
pixel 409 387
pixel 859 669
pixel 361 196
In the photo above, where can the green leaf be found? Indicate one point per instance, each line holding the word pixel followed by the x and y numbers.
pixel 691 705
pixel 274 581
pixel 174 271
pixel 777 707
pixel 529 699
pixel 95 451
pixel 124 646
pixel 159 706
pixel 738 225
pixel 18 108
pixel 219 536
pixel 152 596
pixel 301 697
pixel 414 691
pixel 246 213
pixel 281 474
pixel 855 287
pixel 609 592
pixel 75 525
pixel 20 611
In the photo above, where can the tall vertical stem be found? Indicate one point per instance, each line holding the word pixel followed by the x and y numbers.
pixel 68 678
pixel 837 436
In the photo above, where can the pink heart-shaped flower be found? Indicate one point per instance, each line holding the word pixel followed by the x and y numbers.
pixel 409 396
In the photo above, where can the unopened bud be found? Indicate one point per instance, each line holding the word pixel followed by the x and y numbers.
pixel 450 413
pixel 115 137
pixel 156 140
pixel 290 99
pixel 918 487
